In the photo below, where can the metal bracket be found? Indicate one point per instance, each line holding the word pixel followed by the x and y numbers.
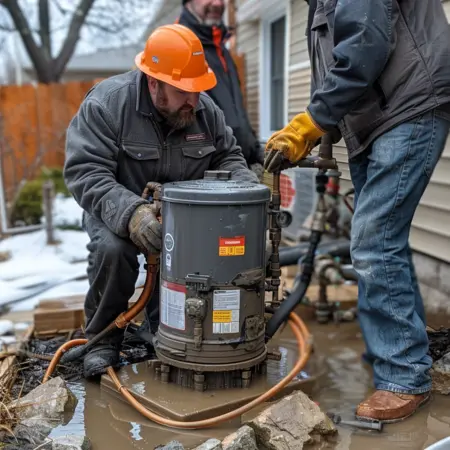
pixel 198 283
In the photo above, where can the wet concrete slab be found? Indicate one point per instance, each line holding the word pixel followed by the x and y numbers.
pixel 184 404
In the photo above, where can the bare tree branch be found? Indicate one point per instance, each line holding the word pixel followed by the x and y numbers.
pixel 114 18
pixel 7 28
pixel 72 36
pixel 44 29
pixel 23 27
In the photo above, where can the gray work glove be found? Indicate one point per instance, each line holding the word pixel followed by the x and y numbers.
pixel 145 229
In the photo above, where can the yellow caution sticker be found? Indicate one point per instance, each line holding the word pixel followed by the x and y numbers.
pixel 222 316
pixel 234 246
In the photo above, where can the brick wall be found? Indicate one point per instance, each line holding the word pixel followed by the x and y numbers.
pixel 434 280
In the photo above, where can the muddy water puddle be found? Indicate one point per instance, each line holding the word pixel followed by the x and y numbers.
pixel 345 380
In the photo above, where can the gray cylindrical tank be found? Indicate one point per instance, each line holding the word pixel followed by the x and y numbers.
pixel 212 274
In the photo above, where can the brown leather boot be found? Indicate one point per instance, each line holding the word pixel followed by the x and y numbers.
pixel 389 407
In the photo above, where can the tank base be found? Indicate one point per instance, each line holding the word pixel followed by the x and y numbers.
pixel 185 404
pixel 207 381
pixel 203 377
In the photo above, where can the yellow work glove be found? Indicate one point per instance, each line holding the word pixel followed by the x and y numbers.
pixel 293 143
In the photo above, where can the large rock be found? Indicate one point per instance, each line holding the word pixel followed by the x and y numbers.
pixel 172 445
pixel 291 423
pixel 31 433
pixel 48 402
pixel 71 442
pixel 440 374
pixel 210 444
pixel 242 439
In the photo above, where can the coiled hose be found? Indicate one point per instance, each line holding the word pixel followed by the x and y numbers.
pixel 298 327
pixel 302 337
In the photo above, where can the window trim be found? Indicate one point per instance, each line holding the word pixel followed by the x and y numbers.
pixel 281 10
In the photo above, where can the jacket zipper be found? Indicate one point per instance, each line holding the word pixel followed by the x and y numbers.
pixel 162 141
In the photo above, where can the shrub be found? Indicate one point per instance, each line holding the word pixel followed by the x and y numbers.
pixel 27 209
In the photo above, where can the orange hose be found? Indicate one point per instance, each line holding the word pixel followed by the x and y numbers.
pixel 121 321
pixel 125 318
pixel 303 340
pixel 61 350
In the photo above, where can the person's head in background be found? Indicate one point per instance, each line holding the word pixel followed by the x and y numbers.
pixel 209 12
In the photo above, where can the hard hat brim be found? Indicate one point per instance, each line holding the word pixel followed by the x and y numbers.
pixel 203 83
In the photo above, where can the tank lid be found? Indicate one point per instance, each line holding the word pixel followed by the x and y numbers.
pixel 215 189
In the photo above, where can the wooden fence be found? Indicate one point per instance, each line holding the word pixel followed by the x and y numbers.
pixel 33 123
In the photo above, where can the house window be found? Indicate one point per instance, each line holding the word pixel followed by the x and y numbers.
pixel 272 91
pixel 277 63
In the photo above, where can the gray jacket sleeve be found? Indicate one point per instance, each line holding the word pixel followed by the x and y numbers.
pixel 228 155
pixel 362 46
pixel 91 165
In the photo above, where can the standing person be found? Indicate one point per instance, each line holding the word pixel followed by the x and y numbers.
pixel 152 124
pixel 381 74
pixel 205 19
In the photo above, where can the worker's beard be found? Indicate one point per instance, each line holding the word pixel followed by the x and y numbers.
pixel 179 119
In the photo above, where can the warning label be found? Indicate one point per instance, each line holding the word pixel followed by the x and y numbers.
pixel 226 307
pixel 173 299
pixel 234 246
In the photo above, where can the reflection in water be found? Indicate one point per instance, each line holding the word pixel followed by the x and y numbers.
pixel 111 423
pixel 139 387
pixel 135 431
pixel 76 425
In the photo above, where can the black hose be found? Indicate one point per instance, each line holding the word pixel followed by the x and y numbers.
pixel 349 273
pixel 289 256
pixel 290 303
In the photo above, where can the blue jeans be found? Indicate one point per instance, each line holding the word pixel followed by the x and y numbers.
pixel 389 180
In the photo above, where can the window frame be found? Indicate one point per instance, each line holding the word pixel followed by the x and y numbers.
pixel 273 15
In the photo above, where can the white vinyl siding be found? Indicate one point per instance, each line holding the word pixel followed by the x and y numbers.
pixel 248 44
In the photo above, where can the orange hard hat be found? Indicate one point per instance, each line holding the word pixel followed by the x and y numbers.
pixel 174 54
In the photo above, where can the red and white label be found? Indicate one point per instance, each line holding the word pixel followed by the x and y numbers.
pixel 232 246
pixel 172 305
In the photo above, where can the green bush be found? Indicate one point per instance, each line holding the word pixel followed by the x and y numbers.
pixel 27 209
pixel 55 174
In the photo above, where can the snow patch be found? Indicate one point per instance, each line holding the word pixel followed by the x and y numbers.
pixel 37 271
pixel 6 327
pixel 66 212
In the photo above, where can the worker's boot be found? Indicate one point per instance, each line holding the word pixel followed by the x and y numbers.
pixel 390 407
pixel 101 356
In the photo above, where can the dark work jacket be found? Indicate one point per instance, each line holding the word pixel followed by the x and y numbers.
pixel 117 142
pixel 227 93
pixel 376 64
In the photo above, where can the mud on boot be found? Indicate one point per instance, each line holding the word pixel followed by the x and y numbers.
pixel 100 357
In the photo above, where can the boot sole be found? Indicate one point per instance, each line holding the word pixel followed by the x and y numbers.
pixel 400 419
pixel 98 372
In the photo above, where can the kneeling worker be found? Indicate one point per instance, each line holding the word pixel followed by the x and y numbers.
pixel 150 124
